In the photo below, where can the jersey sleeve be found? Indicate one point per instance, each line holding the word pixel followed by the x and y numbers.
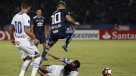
pixel 67 12
pixel 33 21
pixel 67 61
pixel 73 73
pixel 44 23
pixel 26 21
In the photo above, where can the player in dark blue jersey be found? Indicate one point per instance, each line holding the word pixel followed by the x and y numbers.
pixel 59 24
pixel 38 27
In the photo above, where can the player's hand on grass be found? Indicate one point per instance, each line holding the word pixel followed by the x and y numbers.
pixel 77 23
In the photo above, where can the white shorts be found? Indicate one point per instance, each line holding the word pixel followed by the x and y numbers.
pixel 28 50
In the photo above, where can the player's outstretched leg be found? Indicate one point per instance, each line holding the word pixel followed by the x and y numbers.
pixel 36 65
pixel 25 66
pixel 65 46
pixel 45 50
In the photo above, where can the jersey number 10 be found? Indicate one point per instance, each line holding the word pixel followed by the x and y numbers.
pixel 18 27
pixel 56 18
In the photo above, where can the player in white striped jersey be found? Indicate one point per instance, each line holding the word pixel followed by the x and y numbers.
pixel 24 39
pixel 69 69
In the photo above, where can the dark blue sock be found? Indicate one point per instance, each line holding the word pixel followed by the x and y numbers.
pixel 44 52
pixel 68 39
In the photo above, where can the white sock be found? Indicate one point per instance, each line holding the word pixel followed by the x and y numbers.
pixel 24 67
pixel 36 65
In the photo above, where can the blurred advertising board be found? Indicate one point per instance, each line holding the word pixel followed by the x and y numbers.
pixel 86 34
pixel 79 34
pixel 93 35
pixel 117 34
pixel 4 35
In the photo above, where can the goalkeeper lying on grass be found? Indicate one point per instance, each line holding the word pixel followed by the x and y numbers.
pixel 69 69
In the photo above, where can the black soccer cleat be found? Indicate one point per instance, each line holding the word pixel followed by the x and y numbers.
pixel 65 48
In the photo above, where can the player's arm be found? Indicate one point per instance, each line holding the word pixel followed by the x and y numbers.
pixel 11 31
pixel 70 19
pixel 32 25
pixel 29 33
pixel 55 57
pixel 64 60
pixel 28 30
pixel 32 28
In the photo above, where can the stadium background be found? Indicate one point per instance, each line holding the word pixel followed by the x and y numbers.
pixel 93 13
pixel 97 18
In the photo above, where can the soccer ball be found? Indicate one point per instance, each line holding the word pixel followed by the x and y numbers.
pixel 106 72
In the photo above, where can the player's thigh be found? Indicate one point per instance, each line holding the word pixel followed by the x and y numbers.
pixel 30 50
pixel 23 54
pixel 52 40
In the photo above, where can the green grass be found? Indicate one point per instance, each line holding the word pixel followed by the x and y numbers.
pixel 119 55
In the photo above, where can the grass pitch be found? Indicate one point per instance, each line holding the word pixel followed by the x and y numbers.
pixel 119 55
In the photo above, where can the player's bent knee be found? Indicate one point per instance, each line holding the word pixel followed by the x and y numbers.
pixel 50 44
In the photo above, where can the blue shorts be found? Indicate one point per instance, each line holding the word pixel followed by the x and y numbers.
pixel 55 37
pixel 70 31
pixel 41 38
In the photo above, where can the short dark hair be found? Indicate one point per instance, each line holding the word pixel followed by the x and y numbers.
pixel 38 9
pixel 77 63
pixel 61 3
pixel 25 4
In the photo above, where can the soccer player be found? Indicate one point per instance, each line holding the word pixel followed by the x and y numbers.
pixel 59 25
pixel 70 68
pixel 20 32
pixel 38 27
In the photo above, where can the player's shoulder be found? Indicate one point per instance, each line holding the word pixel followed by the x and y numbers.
pixel 43 17
pixel 34 17
pixel 58 66
pixel 55 12
pixel 65 10
pixel 73 73
pixel 15 15
pixel 26 16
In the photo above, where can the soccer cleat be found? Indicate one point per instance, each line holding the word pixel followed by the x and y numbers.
pixel 65 48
